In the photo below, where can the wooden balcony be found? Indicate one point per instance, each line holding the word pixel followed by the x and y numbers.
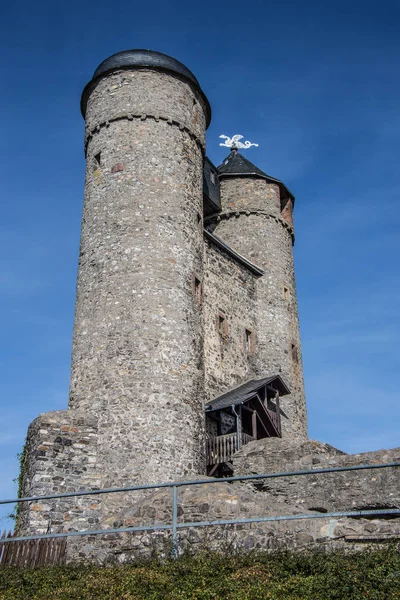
pixel 220 449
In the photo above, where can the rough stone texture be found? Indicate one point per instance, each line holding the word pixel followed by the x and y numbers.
pixel 147 352
pixel 138 341
pixel 347 490
pixel 229 289
pixel 302 495
pixel 252 224
pixel 61 451
pixel 140 93
pixel 137 360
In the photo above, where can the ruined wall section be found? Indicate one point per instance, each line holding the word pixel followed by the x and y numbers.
pixel 347 490
pixel 137 358
pixel 251 222
pixel 61 456
pixel 230 291
pixel 315 494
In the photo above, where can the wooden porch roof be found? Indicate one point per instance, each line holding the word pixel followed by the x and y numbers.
pixel 246 391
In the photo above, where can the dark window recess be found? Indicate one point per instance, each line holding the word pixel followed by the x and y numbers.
pixel 197 290
pixel 249 341
pixel 295 353
pixel 286 293
pixel 97 161
pixel 222 324
pixel 199 223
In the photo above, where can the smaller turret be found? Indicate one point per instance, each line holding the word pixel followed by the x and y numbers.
pixel 256 221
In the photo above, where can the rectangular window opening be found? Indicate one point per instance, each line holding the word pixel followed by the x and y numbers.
pixel 222 325
pixel 97 161
pixel 286 293
pixel 249 340
pixel 212 177
pixel 197 290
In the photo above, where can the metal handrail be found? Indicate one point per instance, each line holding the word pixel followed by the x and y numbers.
pixel 174 526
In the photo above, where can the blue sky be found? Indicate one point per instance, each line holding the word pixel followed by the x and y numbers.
pixel 315 84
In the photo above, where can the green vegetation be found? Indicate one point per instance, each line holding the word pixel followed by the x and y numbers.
pixel 373 574
pixel 21 456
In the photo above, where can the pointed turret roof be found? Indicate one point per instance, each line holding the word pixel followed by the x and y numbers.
pixel 236 165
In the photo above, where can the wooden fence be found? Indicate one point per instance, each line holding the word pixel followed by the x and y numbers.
pixel 32 553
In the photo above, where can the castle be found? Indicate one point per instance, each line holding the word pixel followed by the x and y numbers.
pixel 186 342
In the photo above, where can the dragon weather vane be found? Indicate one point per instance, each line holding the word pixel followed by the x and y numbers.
pixel 234 142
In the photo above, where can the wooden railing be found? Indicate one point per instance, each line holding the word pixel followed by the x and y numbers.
pixel 220 449
pixel 274 416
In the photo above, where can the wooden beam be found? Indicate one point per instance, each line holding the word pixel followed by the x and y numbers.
pixel 254 424
pixel 211 473
pixel 264 412
pixel 263 426
pixel 278 412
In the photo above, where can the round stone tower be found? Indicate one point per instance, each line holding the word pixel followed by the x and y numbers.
pixel 137 359
pixel 256 220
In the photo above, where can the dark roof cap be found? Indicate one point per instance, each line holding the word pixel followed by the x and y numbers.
pixel 246 391
pixel 140 59
pixel 236 165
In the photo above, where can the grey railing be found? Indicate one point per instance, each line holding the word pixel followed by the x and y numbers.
pixel 174 526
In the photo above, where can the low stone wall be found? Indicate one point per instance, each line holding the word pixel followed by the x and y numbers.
pixel 61 450
pixel 348 490
pixel 311 494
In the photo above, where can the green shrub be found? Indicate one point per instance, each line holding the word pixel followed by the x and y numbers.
pixel 339 575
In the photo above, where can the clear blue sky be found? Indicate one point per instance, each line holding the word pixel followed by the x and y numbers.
pixel 316 84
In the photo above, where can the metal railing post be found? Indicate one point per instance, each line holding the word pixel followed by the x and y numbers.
pixel 174 521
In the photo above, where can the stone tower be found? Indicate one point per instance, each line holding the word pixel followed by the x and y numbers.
pixel 149 350
pixel 186 355
pixel 137 359
pixel 256 220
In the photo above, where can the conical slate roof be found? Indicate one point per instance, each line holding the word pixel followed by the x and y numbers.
pixel 236 165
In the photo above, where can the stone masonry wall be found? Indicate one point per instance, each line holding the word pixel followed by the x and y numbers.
pixel 252 224
pixel 61 456
pixel 137 372
pixel 347 490
pixel 312 494
pixel 230 289
pixel 138 337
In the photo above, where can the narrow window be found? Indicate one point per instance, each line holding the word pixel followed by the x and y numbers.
pixel 286 293
pixel 222 325
pixel 295 354
pixel 197 290
pixel 249 341
pixel 97 161
pixel 199 223
pixel 212 177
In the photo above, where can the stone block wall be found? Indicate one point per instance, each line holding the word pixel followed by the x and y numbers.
pixel 230 291
pixel 252 224
pixel 61 456
pixel 137 355
pixel 309 494
pixel 346 490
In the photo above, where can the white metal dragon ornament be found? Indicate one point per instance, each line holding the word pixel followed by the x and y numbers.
pixel 235 143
